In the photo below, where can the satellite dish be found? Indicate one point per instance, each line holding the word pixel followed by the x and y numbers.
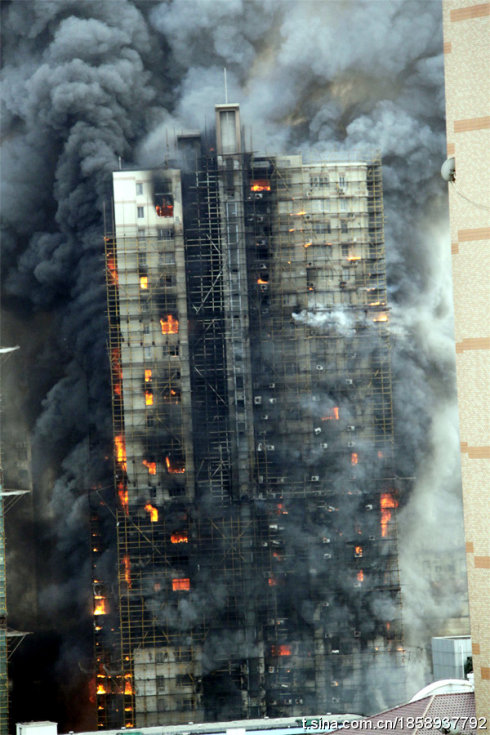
pixel 448 169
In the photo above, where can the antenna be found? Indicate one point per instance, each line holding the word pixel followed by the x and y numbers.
pixel 226 86
pixel 119 157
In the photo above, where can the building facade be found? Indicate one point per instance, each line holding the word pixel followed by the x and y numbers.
pixel 256 534
pixel 467 59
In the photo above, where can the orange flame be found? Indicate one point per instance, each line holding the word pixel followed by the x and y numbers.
pixel 148 398
pixel 127 570
pixel 152 466
pixel 152 511
pixel 165 210
pixel 383 317
pixel 177 468
pixel 179 538
pixel 354 458
pixel 272 582
pixel 169 325
pixel 262 282
pixel 123 496
pixel 101 689
pixel 100 605
pixel 360 576
pixel 117 370
pixel 120 447
pixel 281 650
pixel 334 414
pixel 128 689
pixel 144 282
pixel 307 244
pixel 184 583
pixel 111 265
pixel 358 550
pixel 387 501
pixel 260 185
pixel 148 376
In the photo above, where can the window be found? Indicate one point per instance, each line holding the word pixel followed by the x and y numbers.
pixel 147 352
pixel 319 180
pixel 345 250
pixel 141 212
pixel 160 684
pixel 343 226
pixel 141 230
pixel 139 188
pixel 341 180
pixel 343 205
pixel 173 350
pixel 165 233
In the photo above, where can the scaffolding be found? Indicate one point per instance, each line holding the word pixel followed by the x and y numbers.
pixel 250 364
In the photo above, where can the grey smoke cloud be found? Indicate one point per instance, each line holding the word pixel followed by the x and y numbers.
pixel 84 83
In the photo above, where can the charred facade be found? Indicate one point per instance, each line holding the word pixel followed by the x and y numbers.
pixel 255 518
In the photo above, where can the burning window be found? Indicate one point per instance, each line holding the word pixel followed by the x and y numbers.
pixel 272 582
pixel 127 570
pixel 360 576
pixel 164 206
pixel 387 502
pixel 152 467
pixel 263 279
pixel 100 607
pixel 179 538
pixel 354 458
pixel 170 325
pixel 152 511
pixel 148 376
pixel 182 583
pixel 281 650
pixel 333 414
pixel 144 283
pixel 111 267
pixel 260 185
pixel 148 398
pixel 358 551
pixel 175 466
pixel 123 496
pixel 120 449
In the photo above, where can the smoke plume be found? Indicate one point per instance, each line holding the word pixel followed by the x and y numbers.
pixel 86 83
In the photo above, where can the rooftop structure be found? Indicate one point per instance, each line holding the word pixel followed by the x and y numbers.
pixel 256 535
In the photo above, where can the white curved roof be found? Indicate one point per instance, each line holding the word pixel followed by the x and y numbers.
pixel 444 686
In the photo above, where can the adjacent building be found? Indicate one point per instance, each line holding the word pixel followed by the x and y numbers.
pixel 467 59
pixel 255 534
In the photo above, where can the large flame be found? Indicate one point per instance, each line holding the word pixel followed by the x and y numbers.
pixel 144 283
pixel 111 266
pixel 123 496
pixel 386 502
pixel 101 689
pixel 152 511
pixel 175 467
pixel 120 447
pixel 332 415
pixel 262 282
pixel 127 570
pixel 358 551
pixel 148 398
pixel 179 538
pixel 148 375
pixel 100 605
pixel 183 583
pixel 116 370
pixel 169 325
pixel 360 576
pixel 128 688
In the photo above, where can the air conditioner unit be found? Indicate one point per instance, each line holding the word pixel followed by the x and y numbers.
pixel 272 400
pixel 351 428
pixel 348 381
pixel 258 400
pixel 266 417
pixel 270 447
pixel 327 555
pixel 351 444
pixel 272 386
pixel 261 479
pixel 324 445
pixel 325 540
pixel 258 195
pixel 260 447
pixel 315 478
pixel 319 367
pixel 357 634
pixel 317 430
pixel 307 216
pixel 372 538
pixel 368 506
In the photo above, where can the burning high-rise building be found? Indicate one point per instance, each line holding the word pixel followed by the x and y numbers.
pixel 256 544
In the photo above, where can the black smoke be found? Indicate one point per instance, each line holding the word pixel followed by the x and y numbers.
pixel 84 84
